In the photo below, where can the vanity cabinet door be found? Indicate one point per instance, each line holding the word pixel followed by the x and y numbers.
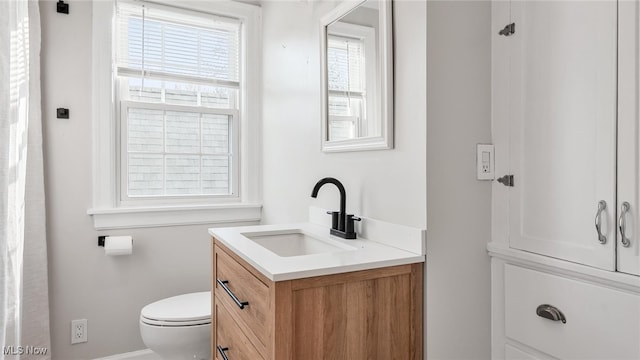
pixel 560 77
pixel 628 138
pixel 371 314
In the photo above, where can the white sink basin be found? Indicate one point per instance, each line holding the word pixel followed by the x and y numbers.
pixel 295 242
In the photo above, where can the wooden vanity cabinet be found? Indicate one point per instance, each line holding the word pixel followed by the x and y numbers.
pixel 369 314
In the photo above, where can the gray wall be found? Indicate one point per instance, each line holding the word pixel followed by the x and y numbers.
pixel 459 207
pixel 388 185
pixel 83 282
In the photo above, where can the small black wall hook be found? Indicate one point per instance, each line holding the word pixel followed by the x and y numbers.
pixel 62 113
pixel 508 30
pixel 62 7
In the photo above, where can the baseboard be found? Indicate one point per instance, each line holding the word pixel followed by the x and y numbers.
pixel 145 354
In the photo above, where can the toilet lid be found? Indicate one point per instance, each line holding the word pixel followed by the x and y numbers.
pixel 187 308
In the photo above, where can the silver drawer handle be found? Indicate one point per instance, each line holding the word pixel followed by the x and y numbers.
pixel 602 205
pixel 550 312
pixel 622 224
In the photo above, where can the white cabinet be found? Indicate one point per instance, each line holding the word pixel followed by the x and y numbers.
pixel 596 326
pixel 601 321
pixel 566 125
pixel 565 117
pixel 629 135
pixel 514 353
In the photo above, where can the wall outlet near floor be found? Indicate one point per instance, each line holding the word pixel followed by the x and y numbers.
pixel 78 331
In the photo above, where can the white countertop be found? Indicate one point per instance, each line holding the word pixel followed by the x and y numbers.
pixel 363 254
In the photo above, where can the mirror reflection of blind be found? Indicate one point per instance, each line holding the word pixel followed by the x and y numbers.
pixel 346 86
pixel 152 44
pixel 346 64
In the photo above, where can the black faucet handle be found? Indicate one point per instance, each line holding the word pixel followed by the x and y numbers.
pixel 350 226
pixel 335 216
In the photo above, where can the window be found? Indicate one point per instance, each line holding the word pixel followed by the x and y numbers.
pixel 181 113
pixel 178 89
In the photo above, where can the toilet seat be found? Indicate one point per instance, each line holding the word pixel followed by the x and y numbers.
pixel 174 323
pixel 182 310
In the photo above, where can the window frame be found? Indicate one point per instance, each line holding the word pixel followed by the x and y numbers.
pixel 109 211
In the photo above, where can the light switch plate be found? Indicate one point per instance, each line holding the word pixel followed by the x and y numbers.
pixel 485 162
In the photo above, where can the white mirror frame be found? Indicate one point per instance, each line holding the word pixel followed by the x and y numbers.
pixel 385 67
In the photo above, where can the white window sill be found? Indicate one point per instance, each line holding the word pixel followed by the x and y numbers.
pixel 140 217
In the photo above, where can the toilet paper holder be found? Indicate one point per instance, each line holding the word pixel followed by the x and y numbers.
pixel 101 240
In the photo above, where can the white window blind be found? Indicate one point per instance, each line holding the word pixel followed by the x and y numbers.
pixel 346 86
pixel 346 62
pixel 178 79
pixel 158 42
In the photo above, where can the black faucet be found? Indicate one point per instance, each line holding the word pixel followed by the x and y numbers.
pixel 341 224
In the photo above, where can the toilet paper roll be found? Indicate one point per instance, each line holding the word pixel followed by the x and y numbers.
pixel 118 245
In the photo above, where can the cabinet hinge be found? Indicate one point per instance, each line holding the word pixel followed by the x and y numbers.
pixel 508 30
pixel 506 180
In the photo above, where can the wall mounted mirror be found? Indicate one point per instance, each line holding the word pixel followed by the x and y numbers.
pixel 357 76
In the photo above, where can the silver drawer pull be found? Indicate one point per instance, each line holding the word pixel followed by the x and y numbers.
pixel 622 224
pixel 550 312
pixel 602 205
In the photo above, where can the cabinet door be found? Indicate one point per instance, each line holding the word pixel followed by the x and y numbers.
pixel 562 115
pixel 629 136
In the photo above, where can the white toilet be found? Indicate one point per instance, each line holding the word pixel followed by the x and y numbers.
pixel 179 327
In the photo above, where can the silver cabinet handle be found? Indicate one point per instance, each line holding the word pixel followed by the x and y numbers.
pixel 551 312
pixel 622 223
pixel 602 205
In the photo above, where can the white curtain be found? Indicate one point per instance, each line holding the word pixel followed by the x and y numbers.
pixel 24 304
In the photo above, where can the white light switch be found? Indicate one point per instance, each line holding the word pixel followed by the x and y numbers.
pixel 484 162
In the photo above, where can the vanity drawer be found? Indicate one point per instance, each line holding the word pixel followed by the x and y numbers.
pixel 230 337
pixel 247 289
pixel 601 323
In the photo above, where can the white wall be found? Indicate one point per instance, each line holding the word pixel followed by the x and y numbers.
pixel 83 283
pixel 459 207
pixel 388 185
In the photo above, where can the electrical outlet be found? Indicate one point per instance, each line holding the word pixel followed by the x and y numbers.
pixel 78 331
pixel 484 161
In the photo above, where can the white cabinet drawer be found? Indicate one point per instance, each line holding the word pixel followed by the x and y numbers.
pixel 601 323
pixel 512 353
